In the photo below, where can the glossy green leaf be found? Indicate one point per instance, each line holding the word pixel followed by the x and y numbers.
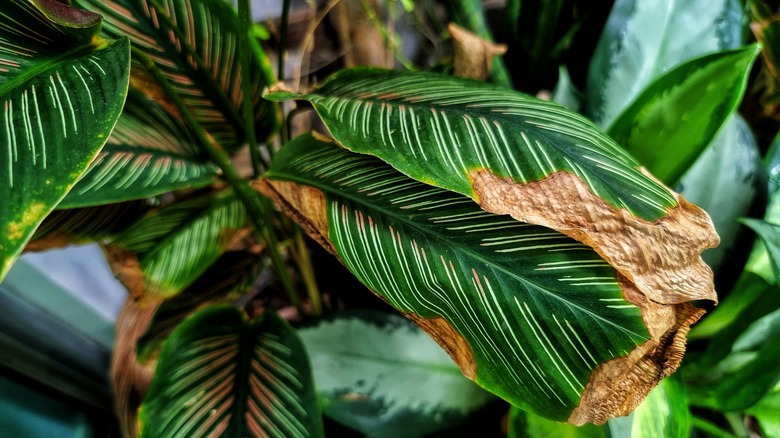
pixel 724 181
pixel 378 373
pixel 767 412
pixel 223 282
pixel 643 39
pixel 178 243
pixel 220 374
pixel 537 309
pixel 565 92
pixel 676 117
pixel 524 425
pixel 440 129
pixel 148 154
pixel 194 43
pixel 664 413
pixel 60 99
pixel 770 234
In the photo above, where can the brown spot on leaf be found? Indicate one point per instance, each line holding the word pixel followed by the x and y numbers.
pixel 618 386
pixel 662 258
pixel 306 205
pixel 127 269
pixel 474 55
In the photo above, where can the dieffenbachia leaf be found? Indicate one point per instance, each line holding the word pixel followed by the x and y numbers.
pixel 770 234
pixel 220 374
pixel 380 374
pixel 176 244
pixel 525 311
pixel 521 424
pixel 148 154
pixel 677 116
pixel 644 39
pixel 193 43
pixel 534 160
pixel 60 96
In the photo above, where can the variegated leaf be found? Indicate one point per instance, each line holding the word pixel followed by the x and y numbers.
pixel 148 154
pixel 176 244
pixel 193 43
pixel 220 374
pixel 525 311
pixel 535 160
pixel 61 92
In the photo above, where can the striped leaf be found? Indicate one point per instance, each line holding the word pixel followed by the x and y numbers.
pixel 148 154
pixel 61 93
pixel 193 43
pixel 379 374
pixel 643 39
pixel 527 312
pixel 220 374
pixel 176 244
pixel 676 117
pixel 534 160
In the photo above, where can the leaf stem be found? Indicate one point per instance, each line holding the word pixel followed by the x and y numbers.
pixel 710 428
pixel 283 38
pixel 251 200
pixel 307 272
pixel 244 24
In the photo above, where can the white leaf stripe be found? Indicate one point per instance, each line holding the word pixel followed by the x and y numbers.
pixel 435 253
pixel 472 125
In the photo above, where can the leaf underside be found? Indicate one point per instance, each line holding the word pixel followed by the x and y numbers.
pixel 536 309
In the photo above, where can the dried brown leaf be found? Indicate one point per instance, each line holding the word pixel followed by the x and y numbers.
pixel 474 55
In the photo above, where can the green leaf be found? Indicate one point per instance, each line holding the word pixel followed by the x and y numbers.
pixel 535 160
pixel 524 425
pixel 222 375
pixel 767 412
pixel 380 374
pixel 526 311
pixel 176 244
pixel 644 39
pixel 770 234
pixel 148 154
pixel 724 181
pixel 193 43
pixel 60 99
pixel 223 282
pixel 674 119
pixel 565 92
pixel 664 413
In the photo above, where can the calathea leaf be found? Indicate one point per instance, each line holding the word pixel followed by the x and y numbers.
pixel 193 43
pixel 528 313
pixel 61 93
pixel 220 374
pixel 149 153
pixel 175 245
pixel 534 160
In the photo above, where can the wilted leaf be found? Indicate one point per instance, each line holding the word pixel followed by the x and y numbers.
pixel 473 56
pixel 532 332
pixel 534 160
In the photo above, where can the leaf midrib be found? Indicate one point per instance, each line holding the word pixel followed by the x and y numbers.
pixel 452 242
pixel 42 66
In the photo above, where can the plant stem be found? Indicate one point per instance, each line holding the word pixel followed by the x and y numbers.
pixel 283 38
pixel 307 272
pixel 244 23
pixel 252 202
pixel 710 428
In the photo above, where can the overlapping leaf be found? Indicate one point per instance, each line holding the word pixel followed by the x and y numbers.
pixel 534 160
pixel 380 374
pixel 676 117
pixel 177 244
pixel 194 44
pixel 526 311
pixel 645 38
pixel 222 375
pixel 149 153
pixel 61 92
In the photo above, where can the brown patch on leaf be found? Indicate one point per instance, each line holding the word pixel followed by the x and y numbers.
pixel 127 269
pixel 306 205
pixel 618 386
pixel 474 55
pixel 662 258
